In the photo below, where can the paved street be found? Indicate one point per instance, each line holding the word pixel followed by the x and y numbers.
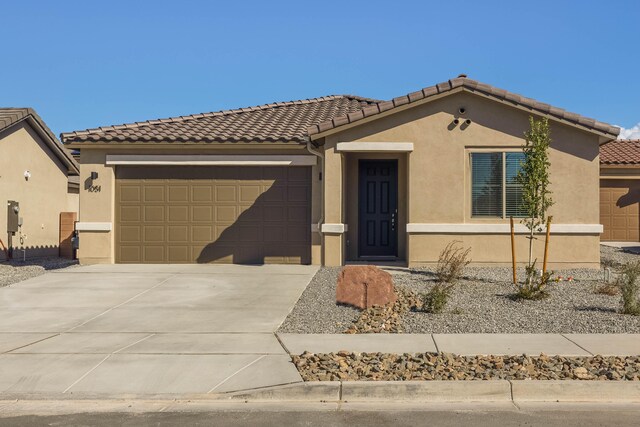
pixel 155 329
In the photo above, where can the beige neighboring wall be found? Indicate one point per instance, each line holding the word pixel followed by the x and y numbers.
pixel 438 182
pixel 42 197
pixel 99 206
pixel 96 206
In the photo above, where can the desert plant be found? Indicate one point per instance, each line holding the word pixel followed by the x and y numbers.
pixel 610 289
pixel 533 177
pixel 630 288
pixel 535 284
pixel 435 300
pixel 451 263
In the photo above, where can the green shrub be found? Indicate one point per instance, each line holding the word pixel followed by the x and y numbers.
pixel 436 299
pixel 451 263
pixel 630 289
pixel 535 284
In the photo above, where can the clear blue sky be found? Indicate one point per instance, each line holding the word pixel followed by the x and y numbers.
pixel 86 63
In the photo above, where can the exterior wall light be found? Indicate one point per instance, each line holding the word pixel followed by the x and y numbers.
pixel 27 175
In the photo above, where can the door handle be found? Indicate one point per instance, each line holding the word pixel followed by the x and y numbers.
pixel 393 221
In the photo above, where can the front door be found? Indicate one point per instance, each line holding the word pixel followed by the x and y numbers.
pixel 378 208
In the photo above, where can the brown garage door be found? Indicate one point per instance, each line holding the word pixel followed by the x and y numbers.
pixel 619 213
pixel 242 215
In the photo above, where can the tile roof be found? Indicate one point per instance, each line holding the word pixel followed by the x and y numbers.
pixel 472 86
pixel 10 116
pixel 276 122
pixel 620 152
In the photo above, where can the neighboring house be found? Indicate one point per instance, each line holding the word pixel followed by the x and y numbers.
pixel 336 179
pixel 41 175
pixel 620 190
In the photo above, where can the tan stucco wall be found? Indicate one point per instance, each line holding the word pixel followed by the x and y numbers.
pixel 41 198
pixel 438 184
pixel 98 246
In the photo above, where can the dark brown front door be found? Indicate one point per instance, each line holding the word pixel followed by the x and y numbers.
pixel 378 208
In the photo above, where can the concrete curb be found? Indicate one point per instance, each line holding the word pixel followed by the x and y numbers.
pixel 426 391
pixel 444 391
pixel 525 391
pixel 576 391
pixel 320 391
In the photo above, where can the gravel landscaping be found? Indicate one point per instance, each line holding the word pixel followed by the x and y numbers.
pixel 16 270
pixel 480 303
pixel 346 366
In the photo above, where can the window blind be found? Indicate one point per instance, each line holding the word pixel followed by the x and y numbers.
pixel 513 190
pixel 486 184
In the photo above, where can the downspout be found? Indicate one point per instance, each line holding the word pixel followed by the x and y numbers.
pixel 320 156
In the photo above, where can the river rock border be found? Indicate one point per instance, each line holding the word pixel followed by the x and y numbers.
pixel 348 366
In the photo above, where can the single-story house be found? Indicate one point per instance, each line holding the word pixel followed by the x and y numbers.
pixel 620 190
pixel 38 173
pixel 336 179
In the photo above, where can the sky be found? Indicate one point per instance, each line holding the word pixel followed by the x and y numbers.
pixel 83 64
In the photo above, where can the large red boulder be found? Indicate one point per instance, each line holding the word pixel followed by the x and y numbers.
pixel 364 286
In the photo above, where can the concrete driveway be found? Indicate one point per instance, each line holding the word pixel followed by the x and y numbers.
pixel 148 329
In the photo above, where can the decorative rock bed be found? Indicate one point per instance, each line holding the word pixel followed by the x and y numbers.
pixel 480 303
pixel 346 366
pixel 15 271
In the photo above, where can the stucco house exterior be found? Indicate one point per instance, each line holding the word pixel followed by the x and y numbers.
pixel 41 175
pixel 620 190
pixel 335 180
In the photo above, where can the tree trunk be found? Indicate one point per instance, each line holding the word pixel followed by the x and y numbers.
pixel 530 276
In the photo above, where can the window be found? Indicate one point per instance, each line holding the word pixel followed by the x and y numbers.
pixel 494 190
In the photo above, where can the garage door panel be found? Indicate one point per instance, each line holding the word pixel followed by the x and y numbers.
pixel 226 193
pixel 178 254
pixel 130 213
pixel 178 213
pixel 226 214
pixel 275 194
pixel 249 193
pixel 619 210
pixel 202 233
pixel 202 214
pixel 131 234
pixel 178 193
pixel 131 253
pixel 298 194
pixel 153 233
pixel 274 213
pixel 178 234
pixel 153 193
pixel 250 213
pixel 153 254
pixel 213 214
pixel 201 193
pixel 154 214
pixel 130 193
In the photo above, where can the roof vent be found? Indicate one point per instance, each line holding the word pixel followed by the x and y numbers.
pixel 462 76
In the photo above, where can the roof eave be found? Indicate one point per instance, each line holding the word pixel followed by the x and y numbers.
pixel 475 89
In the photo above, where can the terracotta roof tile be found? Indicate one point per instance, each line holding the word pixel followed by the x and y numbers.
pixel 275 122
pixel 477 87
pixel 620 152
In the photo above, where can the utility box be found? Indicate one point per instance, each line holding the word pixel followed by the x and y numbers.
pixel 13 216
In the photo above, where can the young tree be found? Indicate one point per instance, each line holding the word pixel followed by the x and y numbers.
pixel 533 176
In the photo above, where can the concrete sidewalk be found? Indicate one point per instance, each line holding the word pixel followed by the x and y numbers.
pixel 467 344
